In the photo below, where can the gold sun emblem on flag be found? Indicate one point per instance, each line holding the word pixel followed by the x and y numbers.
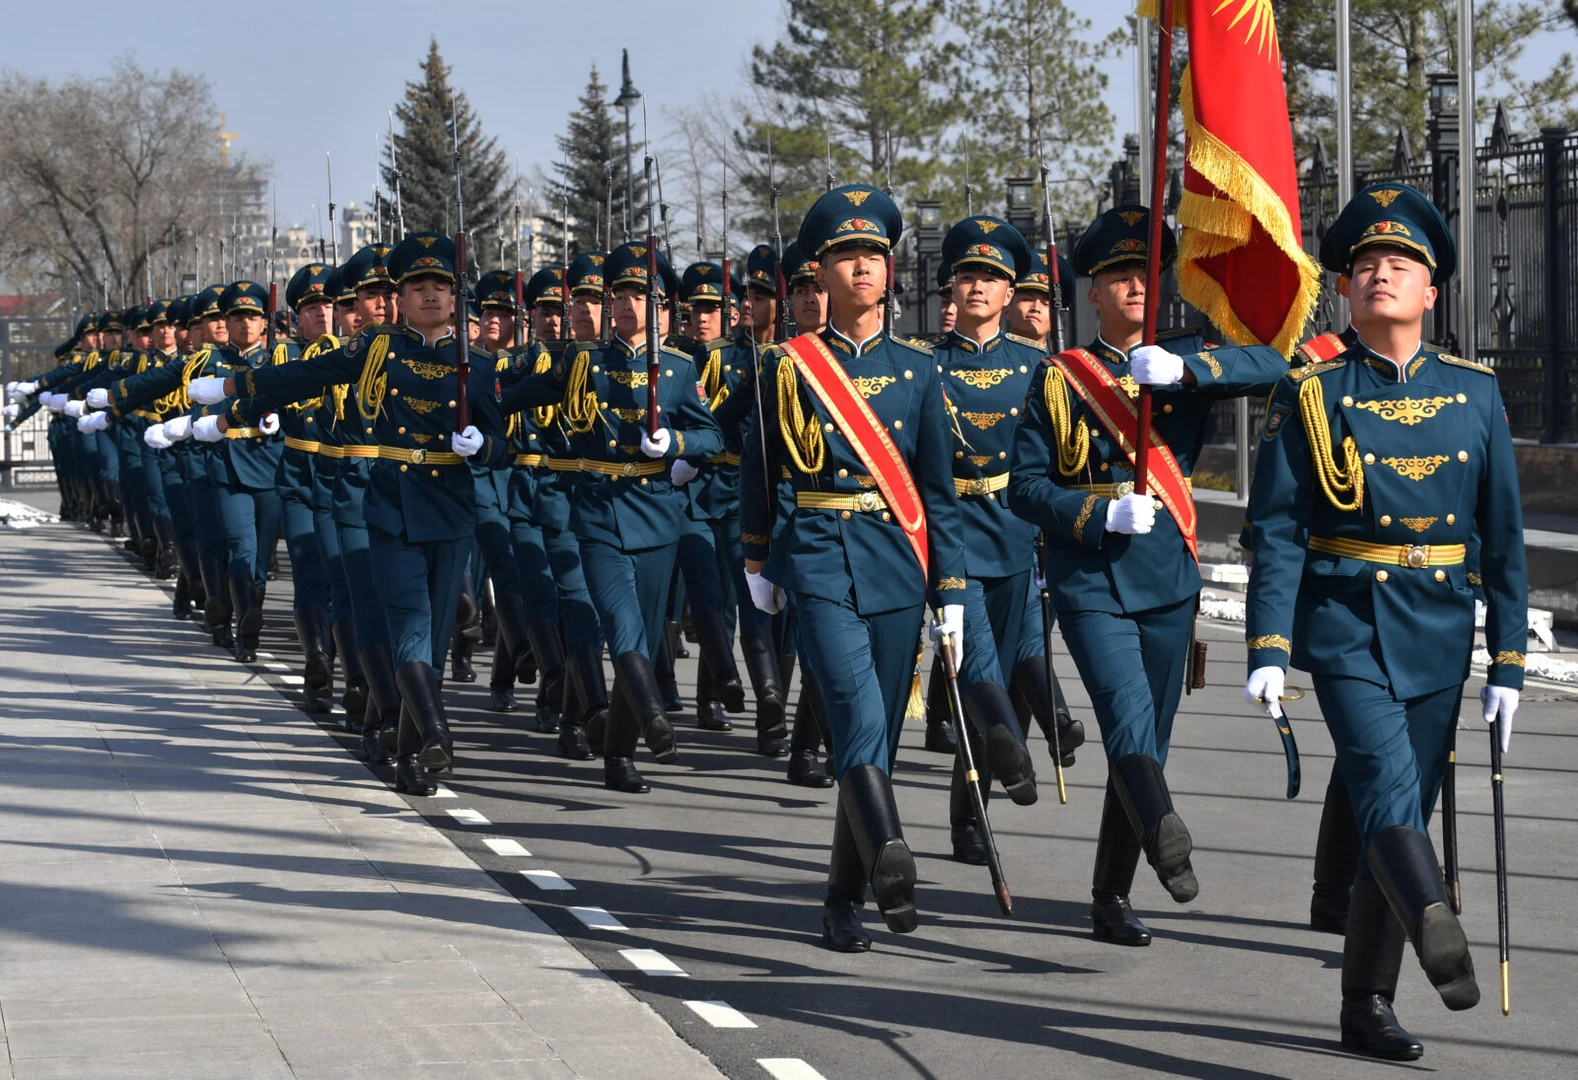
pixel 1260 21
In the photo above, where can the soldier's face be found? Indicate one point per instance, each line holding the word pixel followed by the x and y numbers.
pixel 183 339
pixel 980 295
pixel 1118 295
pixel 629 311
pixel 1030 315
pixel 764 309
pixel 428 303
pixel 90 340
pixel 853 277
pixel 586 317
pixel 498 327
pixel 706 320
pixel 111 339
pixel 1387 285
pixel 350 322
pixel 947 313
pixel 162 337
pixel 312 319
pixel 376 304
pixel 194 336
pixel 547 321
pixel 215 330
pixel 245 329
pixel 141 339
pixel 808 305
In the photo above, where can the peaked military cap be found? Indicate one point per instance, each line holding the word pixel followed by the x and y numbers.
pixel 944 279
pixel 702 281
pixel 368 267
pixel 181 311
pixel 422 254
pixel 545 287
pixel 110 320
pixel 585 275
pixel 135 318
pixel 88 322
pixel 205 305
pixel 311 282
pixel 159 312
pixel 1119 235
pixel 989 242
pixel 627 265
pixel 797 267
pixel 473 306
pixel 496 289
pixel 851 214
pixel 761 268
pixel 1395 215
pixel 1036 278
pixel 336 289
pixel 242 298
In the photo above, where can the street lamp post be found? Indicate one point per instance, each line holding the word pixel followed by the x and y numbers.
pixel 627 99
pixel 928 244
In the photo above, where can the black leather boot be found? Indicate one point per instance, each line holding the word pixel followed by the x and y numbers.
pixel 216 607
pixel 181 607
pixel 411 779
pixel 164 534
pixel 992 713
pixel 846 891
pixel 1117 854
pixel 501 683
pixel 249 614
pixel 421 697
pixel 866 797
pixel 1372 957
pixel 548 653
pixel 382 713
pixel 623 729
pixel 663 668
pixel 1405 867
pixel 636 686
pixel 716 642
pixel 585 668
pixel 460 649
pixel 963 832
pixel 1336 860
pixel 468 616
pixel 804 768
pixel 343 634
pixel 1030 697
pixel 761 666
pixel 312 630
pixel 709 710
pixel 940 736
pixel 1142 790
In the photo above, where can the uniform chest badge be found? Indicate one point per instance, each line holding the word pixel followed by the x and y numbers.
pixel 1279 412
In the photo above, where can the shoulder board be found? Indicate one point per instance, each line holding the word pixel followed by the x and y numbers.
pixel 925 348
pixel 1323 347
pixel 1178 332
pixel 1040 346
pixel 1458 361
pixel 669 350
pixel 1299 373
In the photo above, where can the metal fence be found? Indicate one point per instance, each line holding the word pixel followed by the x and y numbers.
pixel 26 351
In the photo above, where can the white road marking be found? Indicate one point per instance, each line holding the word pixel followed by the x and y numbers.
pixel 467 816
pixel 652 962
pixel 506 847
pixel 720 1014
pixel 292 680
pixel 443 793
pixel 265 656
pixel 547 880
pixel 272 666
pixel 789 1069
pixel 596 918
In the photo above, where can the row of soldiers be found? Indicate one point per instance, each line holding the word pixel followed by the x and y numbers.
pixel 826 493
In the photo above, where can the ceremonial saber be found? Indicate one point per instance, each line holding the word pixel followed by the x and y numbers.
pixel 1449 869
pixel 1056 343
pixel 1500 817
pixel 994 865
pixel 462 342
pixel 1153 256
pixel 654 339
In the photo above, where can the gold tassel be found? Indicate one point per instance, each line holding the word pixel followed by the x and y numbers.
pixel 802 437
pixel 915 708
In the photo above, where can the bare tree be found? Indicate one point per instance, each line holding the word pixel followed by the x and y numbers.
pixel 100 175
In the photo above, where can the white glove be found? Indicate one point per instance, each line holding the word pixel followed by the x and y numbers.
pixel 177 429
pixel 951 623
pixel 208 390
pixel 1132 514
pixel 656 446
pixel 53 402
pixel 99 398
pixel 74 408
pixel 97 421
pixel 206 429
pixel 764 594
pixel 20 391
pixel 1264 689
pixel 11 411
pixel 154 437
pixel 682 471
pixel 269 424
pixel 1500 703
pixel 1155 366
pixel 468 442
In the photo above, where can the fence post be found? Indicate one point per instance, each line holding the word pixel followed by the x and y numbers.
pixel 1557 274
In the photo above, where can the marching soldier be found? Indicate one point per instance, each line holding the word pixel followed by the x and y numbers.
pixel 857 417
pixel 1377 470
pixel 1122 566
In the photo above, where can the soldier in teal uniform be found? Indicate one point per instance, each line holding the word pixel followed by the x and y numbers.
pixel 1377 472
pixel 858 569
pixel 1123 575
pixel 421 496
pixel 626 513
pixel 985 375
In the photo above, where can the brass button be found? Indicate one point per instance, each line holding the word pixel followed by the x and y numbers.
pixel 1014 411
pixel 395 390
pixel 401 430
pixel 1381 575
pixel 1023 370
pixel 908 374
pixel 369 431
pixel 1451 519
pixel 612 444
pixel 827 427
pixel 1167 408
pixel 728 367
pixel 643 481
pixel 898 425
pixel 1462 399
pixel 1002 455
pixel 1462 455
pixel 435 472
pixel 404 467
pixel 843 473
pixel 1386 519
pixel 668 371
pixel 1440 575
pixel 596 369
pixel 844 515
pixel 886 516
pixel 1157 503
pixel 1347 399
pixel 1369 459
pixel 1105 466
pixel 958 453
pixel 992 495
pixel 451 404
pixel 309 419
pixel 532 435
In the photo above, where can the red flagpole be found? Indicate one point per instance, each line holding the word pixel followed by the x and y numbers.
pixel 1153 257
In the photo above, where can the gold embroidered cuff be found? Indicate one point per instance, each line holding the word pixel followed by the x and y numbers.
pixel 760 539
pixel 1510 659
pixel 1270 641
pixel 950 583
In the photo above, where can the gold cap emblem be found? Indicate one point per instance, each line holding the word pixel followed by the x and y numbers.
pixel 857 197
pixel 1131 218
pixel 1385 196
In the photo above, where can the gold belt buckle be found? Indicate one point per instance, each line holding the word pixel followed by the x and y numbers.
pixel 1418 556
pixel 630 468
pixel 867 502
pixel 976 486
pixel 1124 488
pixel 418 456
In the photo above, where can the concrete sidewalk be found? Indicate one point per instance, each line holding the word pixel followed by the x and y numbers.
pixel 195 881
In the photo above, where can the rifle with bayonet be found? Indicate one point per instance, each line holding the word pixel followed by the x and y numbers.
pixel 462 338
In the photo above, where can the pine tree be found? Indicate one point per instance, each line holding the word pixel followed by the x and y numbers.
pixel 591 171
pixel 424 143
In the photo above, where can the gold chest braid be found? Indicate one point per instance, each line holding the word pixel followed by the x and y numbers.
pixel 1070 439
pixel 544 415
pixel 712 380
pixel 580 398
pixel 375 380
pixel 802 436
pixel 1343 485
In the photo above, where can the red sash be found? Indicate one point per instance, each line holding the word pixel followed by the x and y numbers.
pixel 821 371
pixel 1118 413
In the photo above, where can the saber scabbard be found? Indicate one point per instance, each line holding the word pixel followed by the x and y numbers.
pixel 1499 810
pixel 950 667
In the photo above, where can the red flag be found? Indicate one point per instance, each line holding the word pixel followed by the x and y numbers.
pixel 1239 254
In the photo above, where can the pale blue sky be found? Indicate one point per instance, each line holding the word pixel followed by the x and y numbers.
pixel 296 79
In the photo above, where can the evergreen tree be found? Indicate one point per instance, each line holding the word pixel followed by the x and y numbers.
pixel 591 171
pixel 424 143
